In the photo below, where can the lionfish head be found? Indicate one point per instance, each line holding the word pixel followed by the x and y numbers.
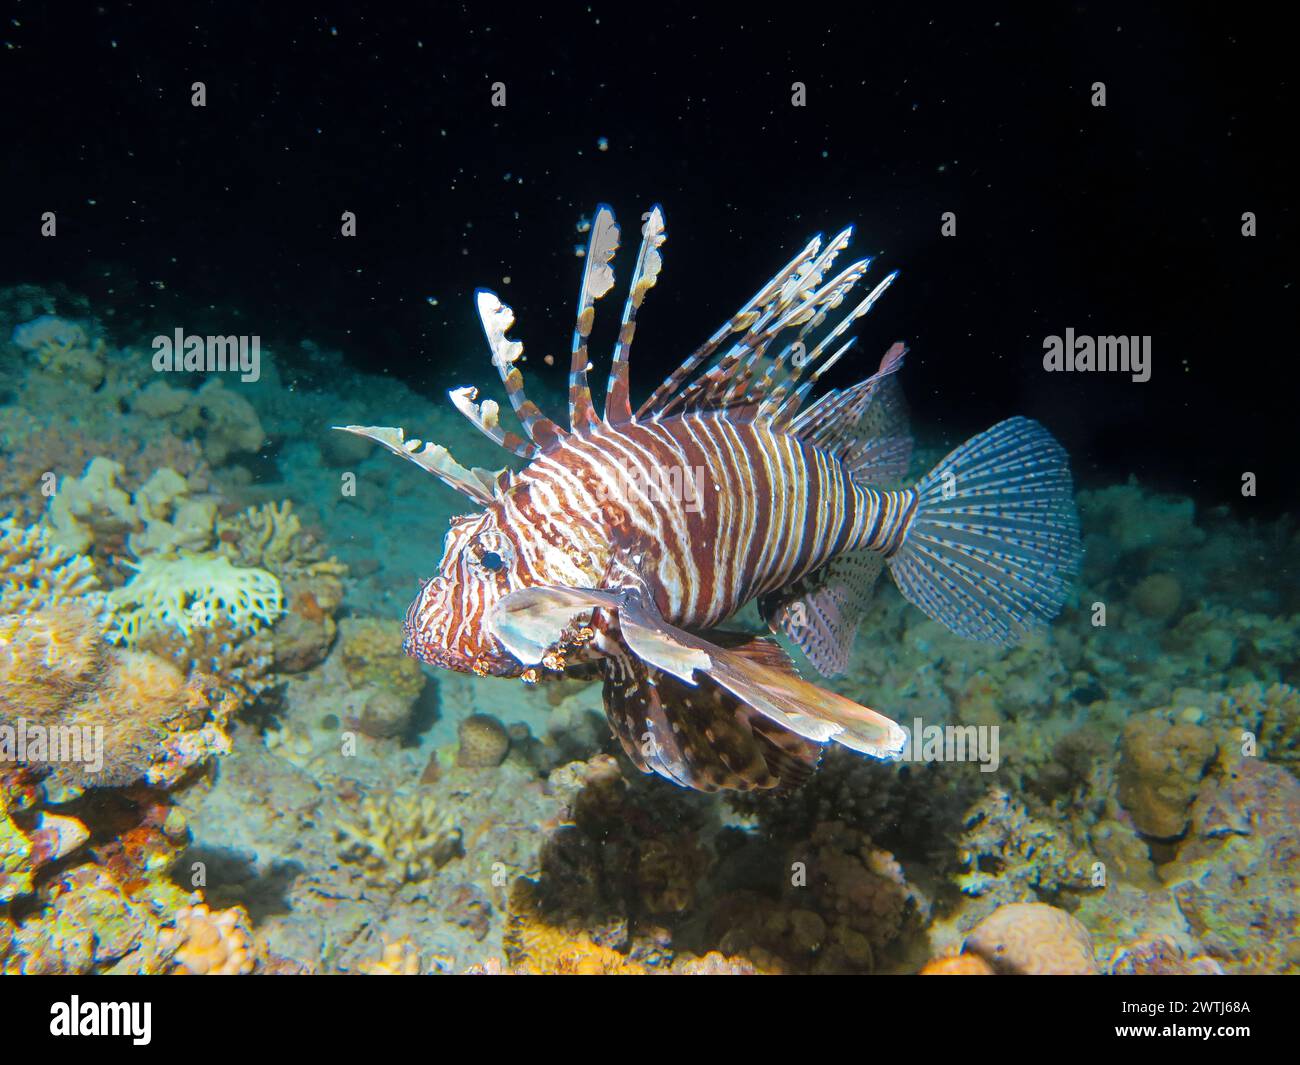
pixel 447 625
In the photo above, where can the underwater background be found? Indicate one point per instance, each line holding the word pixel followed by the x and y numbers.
pixel 198 565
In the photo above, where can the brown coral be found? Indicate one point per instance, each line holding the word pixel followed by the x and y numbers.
pixel 484 742
pixel 1033 939
pixel 1162 760
pixel 370 650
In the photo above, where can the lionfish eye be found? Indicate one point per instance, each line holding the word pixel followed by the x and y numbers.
pixel 491 560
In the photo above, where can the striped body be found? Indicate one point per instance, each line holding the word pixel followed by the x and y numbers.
pixel 771 508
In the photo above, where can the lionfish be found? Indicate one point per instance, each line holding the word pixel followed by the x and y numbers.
pixel 629 537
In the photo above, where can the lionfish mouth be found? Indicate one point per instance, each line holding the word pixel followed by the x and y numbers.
pixel 483 664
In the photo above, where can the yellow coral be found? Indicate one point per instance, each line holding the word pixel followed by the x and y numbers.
pixel 36 572
pixel 399 837
pixel 192 591
pixel 534 946
pixel 401 957
pixel 142 716
pixel 213 944
pixel 371 653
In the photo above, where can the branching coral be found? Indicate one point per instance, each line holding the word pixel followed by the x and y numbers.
pixel 1014 857
pixel 399 837
pixel 1270 716
pixel 35 572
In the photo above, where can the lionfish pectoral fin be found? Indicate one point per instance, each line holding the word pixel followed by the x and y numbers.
pixel 699 736
pixel 779 694
pixel 480 485
pixel 821 612
pixel 530 622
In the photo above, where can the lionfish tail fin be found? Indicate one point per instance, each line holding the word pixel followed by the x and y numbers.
pixel 993 540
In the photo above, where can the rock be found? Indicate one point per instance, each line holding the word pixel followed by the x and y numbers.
pixel 484 742
pixel 386 714
pixel 1158 596
pixel 1162 760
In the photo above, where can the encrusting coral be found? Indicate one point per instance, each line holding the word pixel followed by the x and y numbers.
pixel 1163 756
pixel 123 716
pixel 1033 939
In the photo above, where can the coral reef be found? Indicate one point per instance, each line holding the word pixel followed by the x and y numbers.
pixel 157 583
pixel 192 591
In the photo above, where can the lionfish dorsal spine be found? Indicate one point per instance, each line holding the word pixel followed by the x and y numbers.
pixel 597 280
pixel 663 396
pixel 649 262
pixel 497 319
pixel 486 417
pixel 480 485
